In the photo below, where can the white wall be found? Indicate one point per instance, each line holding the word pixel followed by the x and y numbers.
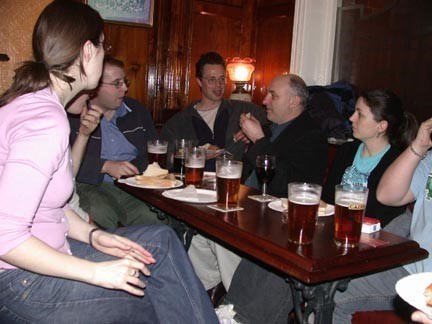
pixel 313 40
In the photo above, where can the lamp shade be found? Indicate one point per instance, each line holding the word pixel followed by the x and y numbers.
pixel 240 70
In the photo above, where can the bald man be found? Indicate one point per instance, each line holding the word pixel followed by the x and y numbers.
pixel 298 144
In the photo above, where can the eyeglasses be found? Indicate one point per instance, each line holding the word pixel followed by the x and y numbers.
pixel 119 83
pixel 214 80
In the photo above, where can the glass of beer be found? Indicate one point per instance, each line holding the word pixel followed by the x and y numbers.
pixel 350 205
pixel 157 152
pixel 180 146
pixel 303 202
pixel 228 175
pixel 195 158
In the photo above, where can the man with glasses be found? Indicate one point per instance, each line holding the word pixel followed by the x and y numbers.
pixel 212 120
pixel 117 148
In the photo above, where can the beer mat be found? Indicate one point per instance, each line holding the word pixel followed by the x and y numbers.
pixel 224 209
pixel 371 241
pixel 281 205
pixel 412 288
pixel 262 199
pixel 191 194
pixel 131 181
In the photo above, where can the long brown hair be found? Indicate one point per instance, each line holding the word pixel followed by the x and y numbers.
pixel 386 105
pixel 58 37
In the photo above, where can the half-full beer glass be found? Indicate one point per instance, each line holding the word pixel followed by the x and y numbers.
pixel 195 158
pixel 350 205
pixel 303 202
pixel 228 175
pixel 157 152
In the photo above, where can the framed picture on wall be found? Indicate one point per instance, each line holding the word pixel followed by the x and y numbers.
pixel 128 12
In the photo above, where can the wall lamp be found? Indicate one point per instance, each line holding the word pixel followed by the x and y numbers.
pixel 240 72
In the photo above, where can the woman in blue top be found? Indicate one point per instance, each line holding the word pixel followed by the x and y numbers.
pixel 382 130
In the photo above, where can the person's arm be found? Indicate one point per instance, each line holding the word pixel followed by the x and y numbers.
pixel 420 317
pixel 394 187
pixel 36 256
pixel 89 120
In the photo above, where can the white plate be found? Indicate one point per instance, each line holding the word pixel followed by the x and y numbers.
pixel 132 182
pixel 277 205
pixel 411 289
pixel 203 196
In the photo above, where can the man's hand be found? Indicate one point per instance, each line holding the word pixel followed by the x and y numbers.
pixel 240 136
pixel 117 169
pixel 251 127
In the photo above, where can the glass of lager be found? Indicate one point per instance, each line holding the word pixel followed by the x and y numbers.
pixel 350 205
pixel 228 175
pixel 303 202
pixel 195 158
pixel 157 152
pixel 180 146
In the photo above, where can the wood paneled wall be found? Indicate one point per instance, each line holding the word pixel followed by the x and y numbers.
pixel 388 43
pixel 160 60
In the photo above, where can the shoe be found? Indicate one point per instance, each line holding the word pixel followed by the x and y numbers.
pixel 216 294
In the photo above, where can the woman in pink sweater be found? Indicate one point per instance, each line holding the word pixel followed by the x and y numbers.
pixel 54 267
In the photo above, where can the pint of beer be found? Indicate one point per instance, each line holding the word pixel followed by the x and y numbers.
pixel 303 202
pixel 194 165
pixel 350 205
pixel 179 156
pixel 228 175
pixel 157 152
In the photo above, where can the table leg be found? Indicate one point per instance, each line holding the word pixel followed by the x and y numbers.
pixel 183 231
pixel 318 299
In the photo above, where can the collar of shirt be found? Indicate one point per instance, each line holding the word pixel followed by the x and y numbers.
pixel 276 129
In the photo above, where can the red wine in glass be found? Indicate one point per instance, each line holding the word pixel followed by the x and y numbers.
pixel 265 169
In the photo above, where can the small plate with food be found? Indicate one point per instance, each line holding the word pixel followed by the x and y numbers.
pixel 416 290
pixel 212 151
pixel 281 205
pixel 154 177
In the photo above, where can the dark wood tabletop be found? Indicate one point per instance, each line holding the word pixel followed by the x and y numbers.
pixel 259 232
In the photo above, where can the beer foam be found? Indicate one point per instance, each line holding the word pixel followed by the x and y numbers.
pixel 160 149
pixel 305 199
pixel 228 172
pixel 349 200
pixel 195 165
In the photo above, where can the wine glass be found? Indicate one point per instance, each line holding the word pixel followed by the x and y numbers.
pixel 265 170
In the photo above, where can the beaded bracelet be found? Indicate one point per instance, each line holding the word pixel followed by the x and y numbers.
pixel 417 153
pixel 91 235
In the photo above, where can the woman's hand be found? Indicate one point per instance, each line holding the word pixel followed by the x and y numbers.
pixel 121 247
pixel 120 274
pixel 423 142
pixel 89 120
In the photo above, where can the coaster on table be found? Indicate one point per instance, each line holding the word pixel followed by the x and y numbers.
pixel 260 198
pixel 224 209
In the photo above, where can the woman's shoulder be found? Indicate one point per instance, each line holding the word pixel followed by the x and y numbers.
pixel 38 111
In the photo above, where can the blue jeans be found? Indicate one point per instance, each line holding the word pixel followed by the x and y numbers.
pixel 173 293
pixel 374 292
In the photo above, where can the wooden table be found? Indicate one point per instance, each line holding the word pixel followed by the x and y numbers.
pixel 315 271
